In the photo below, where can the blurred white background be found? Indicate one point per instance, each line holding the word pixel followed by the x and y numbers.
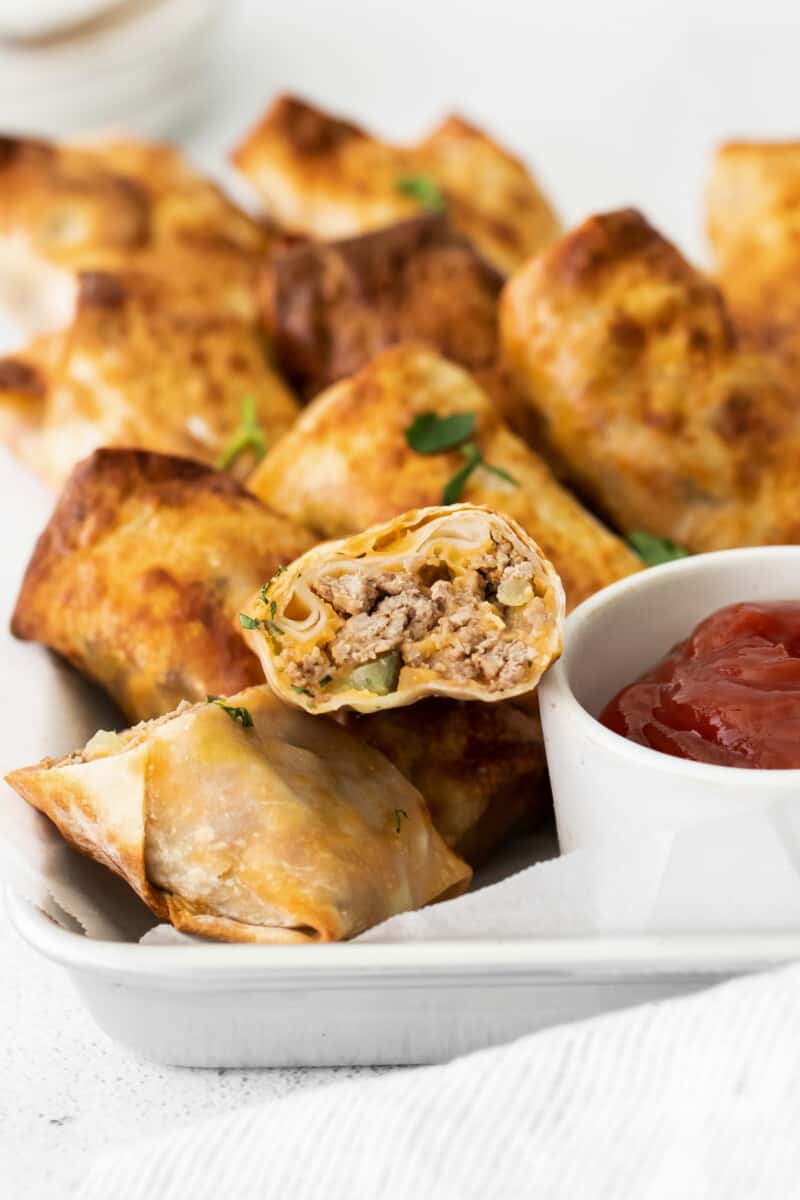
pixel 615 103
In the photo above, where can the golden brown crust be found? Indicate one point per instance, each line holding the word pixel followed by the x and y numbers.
pixel 117 205
pixel 324 176
pixel 649 405
pixel 140 574
pixel 331 307
pixel 346 465
pixel 481 768
pixel 132 371
pixel 753 218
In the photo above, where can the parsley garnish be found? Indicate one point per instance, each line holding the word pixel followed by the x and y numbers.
pixel 424 189
pixel 280 570
pixel 429 433
pixel 248 622
pixel 655 550
pixel 249 436
pixel 326 679
pixel 272 628
pixel 399 813
pixel 455 486
pixel 264 590
pixel 273 608
pixel 303 690
pixel 235 712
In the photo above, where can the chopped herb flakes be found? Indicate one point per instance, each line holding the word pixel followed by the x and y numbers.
pixel 423 189
pixel 303 690
pixel 399 813
pixel 429 433
pixel 655 550
pixel 248 436
pixel 326 679
pixel 235 712
pixel 248 622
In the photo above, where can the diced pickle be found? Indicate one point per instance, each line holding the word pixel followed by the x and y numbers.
pixel 380 676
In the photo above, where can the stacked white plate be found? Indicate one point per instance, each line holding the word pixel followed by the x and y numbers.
pixel 71 66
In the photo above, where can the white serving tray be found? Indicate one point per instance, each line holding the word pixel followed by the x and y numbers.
pixel 220 1005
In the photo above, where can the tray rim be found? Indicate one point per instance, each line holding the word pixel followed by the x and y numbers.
pixel 583 959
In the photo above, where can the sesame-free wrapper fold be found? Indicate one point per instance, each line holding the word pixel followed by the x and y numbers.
pixel 273 828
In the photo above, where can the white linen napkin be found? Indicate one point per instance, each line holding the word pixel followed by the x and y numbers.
pixel 691 1098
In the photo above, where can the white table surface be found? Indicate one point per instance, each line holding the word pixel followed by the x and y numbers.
pixel 68 1092
pixel 614 104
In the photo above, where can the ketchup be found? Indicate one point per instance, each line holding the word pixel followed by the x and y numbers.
pixel 729 694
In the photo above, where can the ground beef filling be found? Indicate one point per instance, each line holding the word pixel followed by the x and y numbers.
pixel 443 625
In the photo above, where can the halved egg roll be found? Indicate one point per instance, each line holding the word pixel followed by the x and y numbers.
pixel 141 572
pixel 452 601
pixel 132 370
pixel 347 464
pixel 321 175
pixel 246 820
pixel 480 767
pixel 648 401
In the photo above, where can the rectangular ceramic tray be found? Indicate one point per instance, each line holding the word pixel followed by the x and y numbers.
pixel 285 1006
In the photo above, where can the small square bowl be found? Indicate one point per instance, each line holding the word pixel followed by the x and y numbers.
pixel 606 787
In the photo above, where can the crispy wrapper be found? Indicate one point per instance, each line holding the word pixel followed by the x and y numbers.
pixel 480 767
pixel 330 307
pixel 141 572
pixel 321 175
pixel 649 404
pixel 753 219
pixel 455 601
pixel 254 823
pixel 131 371
pixel 346 465
pixel 117 205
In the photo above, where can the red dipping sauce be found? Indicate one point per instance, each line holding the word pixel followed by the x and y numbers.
pixel 729 694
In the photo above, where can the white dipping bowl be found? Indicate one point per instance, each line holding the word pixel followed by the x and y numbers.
pixel 606 787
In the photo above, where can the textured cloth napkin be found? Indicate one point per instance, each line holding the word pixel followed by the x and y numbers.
pixel 690 1098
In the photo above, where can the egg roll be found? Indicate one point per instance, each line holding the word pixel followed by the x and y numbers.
pixel 649 404
pixel 116 205
pixel 248 821
pixel 141 572
pixel 753 220
pixel 480 767
pixel 347 464
pixel 453 601
pixel 329 307
pixel 133 371
pixel 324 176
